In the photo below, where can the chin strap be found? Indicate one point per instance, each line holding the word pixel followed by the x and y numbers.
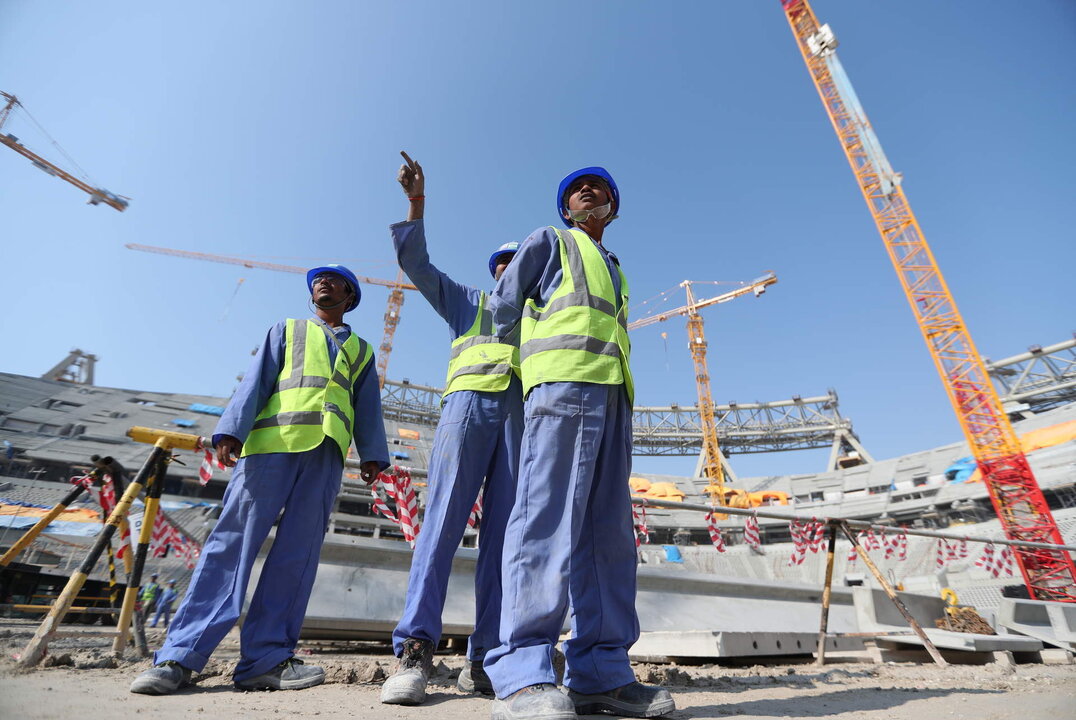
pixel 347 299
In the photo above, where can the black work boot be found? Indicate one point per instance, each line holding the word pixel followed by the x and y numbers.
pixel 473 679
pixel 407 686
pixel 631 700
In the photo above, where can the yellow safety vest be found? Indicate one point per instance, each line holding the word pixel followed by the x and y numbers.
pixel 312 399
pixel 480 361
pixel 581 335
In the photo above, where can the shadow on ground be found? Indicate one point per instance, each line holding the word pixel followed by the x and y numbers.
pixel 852 700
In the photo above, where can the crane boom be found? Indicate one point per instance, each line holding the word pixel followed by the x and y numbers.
pixel 97 195
pixel 244 262
pixel 755 286
pixel 1014 492
pixel 392 313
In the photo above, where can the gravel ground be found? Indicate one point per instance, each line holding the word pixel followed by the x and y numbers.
pixel 79 679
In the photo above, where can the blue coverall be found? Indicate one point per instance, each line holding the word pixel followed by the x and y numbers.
pixel 569 538
pixel 477 438
pixel 164 606
pixel 302 484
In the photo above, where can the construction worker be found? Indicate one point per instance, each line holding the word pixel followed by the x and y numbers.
pixel 570 539
pixel 164 604
pixel 310 389
pixel 148 597
pixel 476 442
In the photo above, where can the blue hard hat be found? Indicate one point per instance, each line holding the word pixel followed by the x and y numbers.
pixel 342 272
pixel 508 247
pixel 562 205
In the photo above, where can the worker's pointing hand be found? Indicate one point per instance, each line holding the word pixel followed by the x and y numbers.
pixel 411 178
pixel 228 446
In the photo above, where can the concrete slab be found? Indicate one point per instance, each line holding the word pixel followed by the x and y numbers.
pixel 361 584
pixel 1053 623
pixel 875 612
pixel 970 642
pixel 656 646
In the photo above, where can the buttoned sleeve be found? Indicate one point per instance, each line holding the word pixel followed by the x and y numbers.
pixel 453 301
pixel 370 441
pixel 255 388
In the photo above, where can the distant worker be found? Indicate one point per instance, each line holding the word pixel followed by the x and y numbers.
pixel 164 604
pixel 148 597
pixel 476 442
pixel 310 389
pixel 570 540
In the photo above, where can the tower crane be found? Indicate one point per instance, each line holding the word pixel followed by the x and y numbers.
pixel 712 468
pixel 1014 492
pixel 392 314
pixel 97 195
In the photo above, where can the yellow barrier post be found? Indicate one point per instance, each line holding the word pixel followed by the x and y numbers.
pixel 134 585
pixel 160 439
pixel 35 649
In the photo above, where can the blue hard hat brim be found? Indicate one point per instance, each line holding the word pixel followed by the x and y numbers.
pixel 596 171
pixel 502 250
pixel 342 272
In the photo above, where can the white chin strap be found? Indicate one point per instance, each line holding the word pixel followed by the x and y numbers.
pixel 599 213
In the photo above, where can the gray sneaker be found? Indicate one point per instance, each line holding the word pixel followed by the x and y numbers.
pixel 407 686
pixel 537 702
pixel 163 679
pixel 291 674
pixel 473 679
pixel 632 700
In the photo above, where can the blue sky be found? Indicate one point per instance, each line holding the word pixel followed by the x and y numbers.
pixel 272 130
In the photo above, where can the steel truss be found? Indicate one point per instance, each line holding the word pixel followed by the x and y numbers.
pixel 758 427
pixel 1040 379
pixel 796 424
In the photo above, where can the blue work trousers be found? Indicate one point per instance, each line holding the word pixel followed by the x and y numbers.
pixel 304 485
pixel 477 440
pixel 164 611
pixel 570 541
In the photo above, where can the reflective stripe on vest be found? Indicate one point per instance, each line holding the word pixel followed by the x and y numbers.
pixel 480 361
pixel 311 400
pixel 579 335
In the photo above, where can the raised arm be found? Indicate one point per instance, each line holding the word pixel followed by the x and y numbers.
pixel 455 302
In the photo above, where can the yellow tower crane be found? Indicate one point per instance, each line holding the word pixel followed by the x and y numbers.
pixel 97 195
pixel 1017 498
pixel 392 314
pixel 712 467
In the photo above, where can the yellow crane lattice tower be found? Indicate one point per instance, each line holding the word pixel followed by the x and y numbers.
pixel 712 467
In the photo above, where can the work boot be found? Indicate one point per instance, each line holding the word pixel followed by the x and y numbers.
pixel 291 674
pixel 407 686
pixel 473 679
pixel 632 700
pixel 537 702
pixel 163 679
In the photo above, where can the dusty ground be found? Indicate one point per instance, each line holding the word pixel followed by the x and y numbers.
pixel 88 683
